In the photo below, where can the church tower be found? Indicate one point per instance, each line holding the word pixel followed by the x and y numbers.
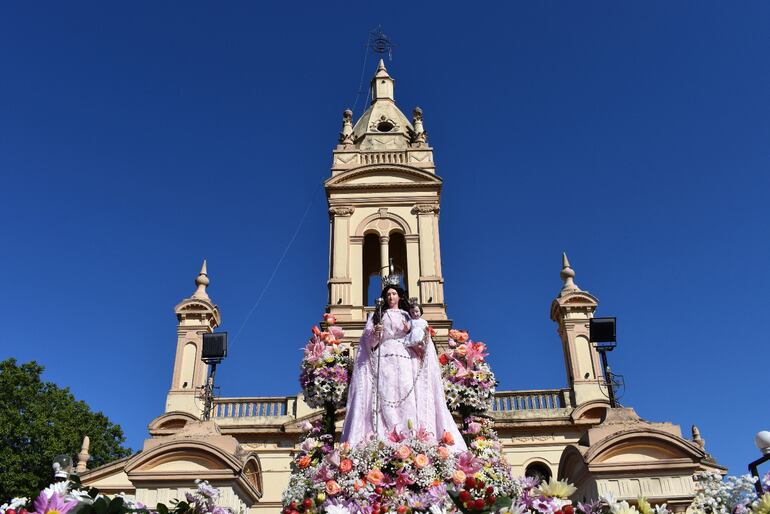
pixel 197 315
pixel 384 198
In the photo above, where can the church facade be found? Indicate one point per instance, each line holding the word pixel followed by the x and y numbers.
pixel 384 198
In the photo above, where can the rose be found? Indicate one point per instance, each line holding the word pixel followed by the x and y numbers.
pixel 447 438
pixel 346 465
pixel 421 460
pixel 443 359
pixel 375 477
pixel 332 487
pixel 303 461
pixel 461 350
pixel 443 453
pixel 403 452
pixel 330 319
pixel 458 477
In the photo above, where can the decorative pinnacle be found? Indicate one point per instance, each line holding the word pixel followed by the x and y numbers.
pixel 83 456
pixel 381 66
pixel 567 275
pixel 202 280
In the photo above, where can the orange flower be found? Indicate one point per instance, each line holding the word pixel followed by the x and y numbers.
pixel 332 488
pixel 458 477
pixel 421 460
pixel 443 452
pixel 346 465
pixel 447 438
pixel 358 485
pixel 443 359
pixel 461 350
pixel 375 477
pixel 304 461
pixel 403 452
pixel 316 330
pixel 330 319
pixel 454 334
pixel 463 336
pixel 479 347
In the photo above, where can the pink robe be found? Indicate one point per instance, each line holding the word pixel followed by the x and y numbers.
pixel 411 388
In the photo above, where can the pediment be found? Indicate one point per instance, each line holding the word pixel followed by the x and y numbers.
pixel 641 446
pixel 383 175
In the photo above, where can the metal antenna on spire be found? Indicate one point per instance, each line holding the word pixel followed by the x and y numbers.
pixel 380 44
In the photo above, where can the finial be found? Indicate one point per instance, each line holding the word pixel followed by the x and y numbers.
pixel 419 137
pixel 697 439
pixel 346 136
pixel 567 275
pixel 202 281
pixel 83 456
pixel 381 66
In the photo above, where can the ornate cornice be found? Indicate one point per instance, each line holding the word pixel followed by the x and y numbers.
pixel 425 208
pixel 341 211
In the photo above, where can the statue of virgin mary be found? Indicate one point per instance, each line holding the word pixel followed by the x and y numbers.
pixel 396 382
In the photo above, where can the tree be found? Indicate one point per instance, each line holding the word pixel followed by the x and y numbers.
pixel 38 421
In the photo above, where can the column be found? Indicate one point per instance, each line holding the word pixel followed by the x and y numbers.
pixel 384 254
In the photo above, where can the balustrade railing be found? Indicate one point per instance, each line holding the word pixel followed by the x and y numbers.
pixel 512 401
pixel 384 158
pixel 261 407
pixel 279 406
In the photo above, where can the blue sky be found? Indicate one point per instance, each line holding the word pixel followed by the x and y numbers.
pixel 138 139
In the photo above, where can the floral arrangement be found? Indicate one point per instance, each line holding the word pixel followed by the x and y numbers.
pixel 469 384
pixel 325 367
pixel 65 497
pixel 407 472
pixel 731 495
pixel 494 470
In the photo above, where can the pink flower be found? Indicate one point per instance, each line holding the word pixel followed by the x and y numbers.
pixel 468 463
pixel 421 460
pixel 403 452
pixel 44 505
pixel 458 477
pixel 474 427
pixel 395 437
pixel 422 434
pixel 332 488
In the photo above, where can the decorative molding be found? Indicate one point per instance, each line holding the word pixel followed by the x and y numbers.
pixel 426 208
pixel 342 211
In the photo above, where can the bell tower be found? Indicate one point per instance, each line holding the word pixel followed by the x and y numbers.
pixel 384 198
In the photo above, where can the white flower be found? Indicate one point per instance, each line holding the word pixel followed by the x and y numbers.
pixel 13 504
pixel 607 498
pixel 623 508
pixel 59 488
pixel 337 509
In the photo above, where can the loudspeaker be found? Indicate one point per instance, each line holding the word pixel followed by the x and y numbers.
pixel 214 346
pixel 601 330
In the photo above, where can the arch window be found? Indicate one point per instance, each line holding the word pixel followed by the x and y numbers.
pixel 397 254
pixel 371 268
pixel 539 470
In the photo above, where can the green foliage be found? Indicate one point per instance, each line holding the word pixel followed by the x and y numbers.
pixel 38 421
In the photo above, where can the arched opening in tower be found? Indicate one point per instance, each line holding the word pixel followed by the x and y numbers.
pixel 397 252
pixel 371 268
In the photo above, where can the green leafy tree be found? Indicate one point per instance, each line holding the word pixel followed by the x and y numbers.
pixel 38 421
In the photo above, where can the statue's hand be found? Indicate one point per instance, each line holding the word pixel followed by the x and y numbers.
pixel 378 330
